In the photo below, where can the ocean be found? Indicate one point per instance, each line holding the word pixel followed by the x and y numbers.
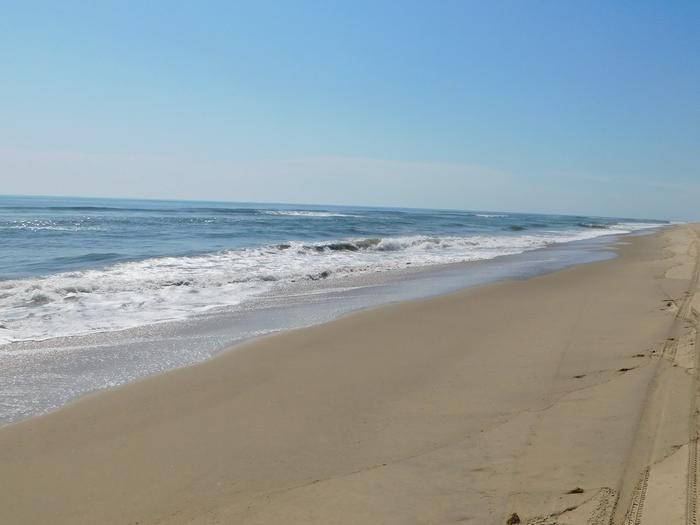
pixel 71 266
pixel 98 292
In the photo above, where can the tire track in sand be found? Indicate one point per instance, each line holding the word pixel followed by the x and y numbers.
pixel 686 318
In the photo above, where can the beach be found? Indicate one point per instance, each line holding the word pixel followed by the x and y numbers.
pixel 100 292
pixel 569 397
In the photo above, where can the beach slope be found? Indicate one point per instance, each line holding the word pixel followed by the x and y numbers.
pixel 565 398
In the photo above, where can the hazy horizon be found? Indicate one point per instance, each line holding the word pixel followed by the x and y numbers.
pixel 321 205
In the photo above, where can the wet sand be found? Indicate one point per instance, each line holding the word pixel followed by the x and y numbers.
pixel 464 408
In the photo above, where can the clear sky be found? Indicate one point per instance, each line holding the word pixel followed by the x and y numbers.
pixel 560 106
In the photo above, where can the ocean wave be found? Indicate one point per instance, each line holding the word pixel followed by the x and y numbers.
pixel 58 225
pixel 35 227
pixel 596 226
pixel 134 293
pixel 306 213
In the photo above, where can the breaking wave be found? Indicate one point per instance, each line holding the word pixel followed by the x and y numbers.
pixel 306 213
pixel 133 293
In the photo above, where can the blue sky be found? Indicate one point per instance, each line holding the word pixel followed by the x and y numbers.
pixel 564 107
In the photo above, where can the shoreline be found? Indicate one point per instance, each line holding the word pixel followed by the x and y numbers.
pixel 608 247
pixel 467 406
pixel 82 365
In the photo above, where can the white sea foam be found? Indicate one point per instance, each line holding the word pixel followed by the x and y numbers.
pixel 153 290
pixel 49 225
pixel 306 213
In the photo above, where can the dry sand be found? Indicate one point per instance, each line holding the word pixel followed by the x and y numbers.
pixel 461 409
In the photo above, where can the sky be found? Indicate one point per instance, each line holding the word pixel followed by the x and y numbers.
pixel 578 107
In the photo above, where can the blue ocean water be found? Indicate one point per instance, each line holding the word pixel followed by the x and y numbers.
pixel 72 266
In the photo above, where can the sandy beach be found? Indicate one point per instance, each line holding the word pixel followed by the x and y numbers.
pixel 567 398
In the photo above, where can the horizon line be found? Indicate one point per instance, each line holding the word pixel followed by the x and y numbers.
pixel 464 210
